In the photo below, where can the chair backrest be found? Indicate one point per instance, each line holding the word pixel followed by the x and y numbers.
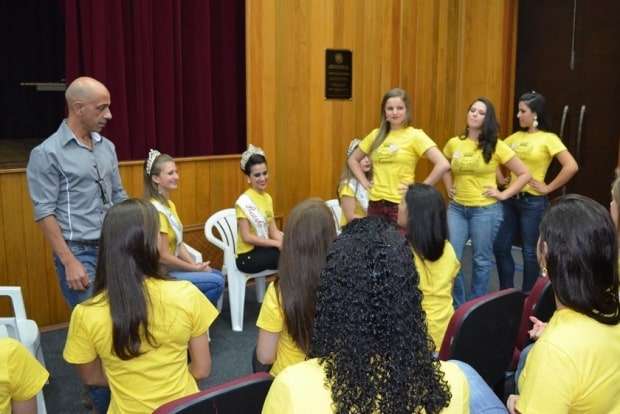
pixel 19 310
pixel 243 395
pixel 334 207
pixel 225 221
pixel 482 333
pixel 539 303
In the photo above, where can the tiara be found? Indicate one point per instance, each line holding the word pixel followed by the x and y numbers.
pixel 153 154
pixel 354 144
pixel 252 150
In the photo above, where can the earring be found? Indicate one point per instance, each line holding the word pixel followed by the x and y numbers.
pixel 543 272
pixel 535 123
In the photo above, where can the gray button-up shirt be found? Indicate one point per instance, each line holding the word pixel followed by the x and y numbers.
pixel 75 184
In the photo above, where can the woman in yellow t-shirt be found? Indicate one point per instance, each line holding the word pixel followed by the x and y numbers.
pixel 134 334
pixel 22 377
pixel 353 196
pixel 423 214
pixel 258 238
pixel 394 149
pixel 287 313
pixel 536 147
pixel 474 212
pixel 161 177
pixel 370 352
pixel 574 366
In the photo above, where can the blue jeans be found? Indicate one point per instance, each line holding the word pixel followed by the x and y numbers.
pixel 482 399
pixel 87 255
pixel 521 214
pixel 211 284
pixel 480 224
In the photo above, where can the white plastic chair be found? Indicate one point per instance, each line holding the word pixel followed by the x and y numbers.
pixel 24 330
pixel 225 221
pixel 334 207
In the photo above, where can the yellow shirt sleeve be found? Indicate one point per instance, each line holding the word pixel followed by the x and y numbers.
pixel 503 152
pixel 279 399
pixel 26 376
pixel 422 142
pixel 547 368
pixel 554 145
pixel 79 348
pixel 203 313
pixel 366 143
pixel 271 318
pixel 448 149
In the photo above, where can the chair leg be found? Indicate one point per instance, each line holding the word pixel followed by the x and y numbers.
pixel 236 299
pixel 260 288
pixel 41 409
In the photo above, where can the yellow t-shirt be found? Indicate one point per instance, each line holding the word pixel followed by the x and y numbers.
pixel 265 205
pixel 536 150
pixel 271 319
pixel 178 312
pixel 436 279
pixel 21 375
pixel 165 227
pixel 470 173
pixel 303 385
pixel 345 190
pixel 395 160
pixel 574 367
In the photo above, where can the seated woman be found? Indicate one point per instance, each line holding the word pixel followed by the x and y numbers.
pixel 574 366
pixel 258 239
pixel 21 378
pixel 370 352
pixel 135 332
pixel 287 313
pixel 423 214
pixel 160 178
pixel 353 196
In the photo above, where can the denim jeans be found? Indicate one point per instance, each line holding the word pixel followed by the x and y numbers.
pixel 211 284
pixel 521 214
pixel 482 399
pixel 480 224
pixel 87 255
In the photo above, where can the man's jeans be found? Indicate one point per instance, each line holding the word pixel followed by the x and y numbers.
pixel 522 214
pixel 480 224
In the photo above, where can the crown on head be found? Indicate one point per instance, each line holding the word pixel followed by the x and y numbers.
pixel 153 154
pixel 252 150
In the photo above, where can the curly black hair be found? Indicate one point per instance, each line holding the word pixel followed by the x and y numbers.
pixel 370 331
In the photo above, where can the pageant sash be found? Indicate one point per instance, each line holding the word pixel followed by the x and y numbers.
pixel 254 216
pixel 360 193
pixel 175 224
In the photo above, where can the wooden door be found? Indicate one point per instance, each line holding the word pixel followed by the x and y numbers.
pixel 568 51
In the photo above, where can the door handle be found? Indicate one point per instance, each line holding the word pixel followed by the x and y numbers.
pixel 563 123
pixel 582 114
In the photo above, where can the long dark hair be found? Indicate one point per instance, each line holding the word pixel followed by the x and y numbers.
pixel 487 140
pixel 370 333
pixel 427 225
pixel 384 126
pixel 127 255
pixel 582 257
pixel 536 102
pixel 310 230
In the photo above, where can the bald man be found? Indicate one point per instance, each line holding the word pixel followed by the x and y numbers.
pixel 73 180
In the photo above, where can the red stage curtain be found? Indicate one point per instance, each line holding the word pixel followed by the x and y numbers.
pixel 175 70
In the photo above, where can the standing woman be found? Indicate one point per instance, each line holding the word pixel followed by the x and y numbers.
pixel 394 149
pixel 353 196
pixel 160 178
pixel 287 314
pixel 474 212
pixel 536 147
pixel 135 333
pixel 258 240
pixel 423 214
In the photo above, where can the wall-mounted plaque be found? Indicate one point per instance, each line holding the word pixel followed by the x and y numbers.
pixel 338 74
